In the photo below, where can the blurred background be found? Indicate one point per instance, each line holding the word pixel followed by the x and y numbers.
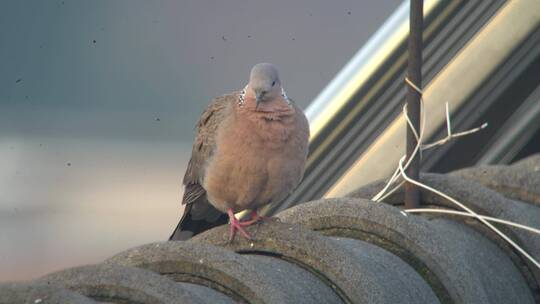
pixel 98 100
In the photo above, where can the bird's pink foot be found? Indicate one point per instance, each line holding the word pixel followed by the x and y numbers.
pixel 255 217
pixel 236 225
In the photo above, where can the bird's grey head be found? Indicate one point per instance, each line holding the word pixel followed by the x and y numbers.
pixel 264 81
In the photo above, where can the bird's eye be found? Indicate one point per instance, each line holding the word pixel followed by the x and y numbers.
pixel 273 83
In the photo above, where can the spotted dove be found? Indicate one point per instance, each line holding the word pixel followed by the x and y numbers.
pixel 250 150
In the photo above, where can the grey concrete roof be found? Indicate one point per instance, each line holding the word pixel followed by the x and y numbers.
pixel 33 292
pixel 519 181
pixel 113 283
pixel 341 250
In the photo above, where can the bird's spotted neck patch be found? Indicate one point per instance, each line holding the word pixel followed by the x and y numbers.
pixel 284 95
pixel 242 97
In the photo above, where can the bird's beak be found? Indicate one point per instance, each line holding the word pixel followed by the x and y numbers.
pixel 258 99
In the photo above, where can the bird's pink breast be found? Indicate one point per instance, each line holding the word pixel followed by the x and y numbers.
pixel 258 161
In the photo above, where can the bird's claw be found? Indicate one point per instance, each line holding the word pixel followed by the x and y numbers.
pixel 236 225
pixel 255 218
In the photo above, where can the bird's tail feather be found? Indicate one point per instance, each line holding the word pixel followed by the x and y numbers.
pixel 191 224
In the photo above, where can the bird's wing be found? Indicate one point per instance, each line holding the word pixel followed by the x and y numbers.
pixel 199 215
pixel 203 146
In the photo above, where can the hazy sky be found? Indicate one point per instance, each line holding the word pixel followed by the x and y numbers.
pixel 98 100
pixel 110 68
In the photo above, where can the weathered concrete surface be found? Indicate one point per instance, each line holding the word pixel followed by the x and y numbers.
pixel 34 293
pixel 183 262
pixel 322 256
pixel 208 294
pixel 304 285
pixel 241 278
pixel 483 201
pixel 390 278
pixel 121 284
pixel 520 181
pixel 459 264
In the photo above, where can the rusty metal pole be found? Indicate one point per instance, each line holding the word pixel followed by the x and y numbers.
pixel 414 74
